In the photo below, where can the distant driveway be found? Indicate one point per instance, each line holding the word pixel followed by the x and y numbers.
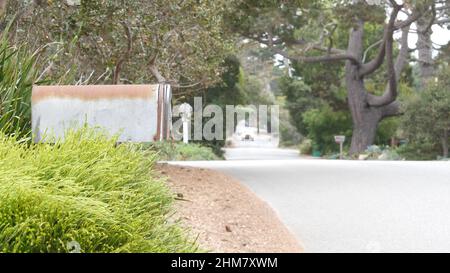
pixel 349 206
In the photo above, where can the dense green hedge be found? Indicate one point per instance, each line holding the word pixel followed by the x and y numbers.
pixel 86 191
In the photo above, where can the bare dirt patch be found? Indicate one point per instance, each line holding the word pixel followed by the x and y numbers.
pixel 224 214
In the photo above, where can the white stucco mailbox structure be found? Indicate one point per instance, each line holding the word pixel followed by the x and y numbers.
pixel 137 113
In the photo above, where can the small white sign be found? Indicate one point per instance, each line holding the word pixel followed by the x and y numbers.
pixel 339 139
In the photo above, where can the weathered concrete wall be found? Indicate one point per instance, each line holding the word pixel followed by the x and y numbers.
pixel 128 110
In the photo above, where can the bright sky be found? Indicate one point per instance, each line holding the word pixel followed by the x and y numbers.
pixel 441 36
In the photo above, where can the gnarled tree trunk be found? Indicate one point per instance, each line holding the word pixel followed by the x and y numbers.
pixel 365 118
pixel 368 110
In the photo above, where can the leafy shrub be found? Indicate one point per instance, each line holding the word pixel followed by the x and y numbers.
pixel 86 191
pixel 306 147
pixel 323 124
pixel 387 129
pixel 215 146
pixel 419 151
pixel 181 151
pixel 427 116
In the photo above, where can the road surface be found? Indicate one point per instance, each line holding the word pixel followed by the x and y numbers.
pixel 349 206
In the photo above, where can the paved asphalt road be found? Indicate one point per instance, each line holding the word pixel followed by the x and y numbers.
pixel 349 206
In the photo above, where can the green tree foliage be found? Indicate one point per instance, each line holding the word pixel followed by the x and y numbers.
pixel 181 42
pixel 387 130
pixel 323 124
pixel 228 91
pixel 299 99
pixel 427 114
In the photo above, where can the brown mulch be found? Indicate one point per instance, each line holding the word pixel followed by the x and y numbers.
pixel 224 214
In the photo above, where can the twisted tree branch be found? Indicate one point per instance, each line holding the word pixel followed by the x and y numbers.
pixel 126 55
pixel 338 55
pixel 391 92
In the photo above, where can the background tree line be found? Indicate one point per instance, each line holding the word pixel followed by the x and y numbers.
pixel 337 67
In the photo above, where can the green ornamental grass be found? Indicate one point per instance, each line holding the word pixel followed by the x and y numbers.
pixel 85 194
pixel 18 73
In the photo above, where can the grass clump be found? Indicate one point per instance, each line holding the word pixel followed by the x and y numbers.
pixel 85 192
pixel 18 73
